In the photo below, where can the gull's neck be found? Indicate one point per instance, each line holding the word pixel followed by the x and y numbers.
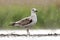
pixel 34 16
pixel 33 13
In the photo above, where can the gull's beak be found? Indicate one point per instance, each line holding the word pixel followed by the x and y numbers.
pixel 36 11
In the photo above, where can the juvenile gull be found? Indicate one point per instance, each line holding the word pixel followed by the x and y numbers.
pixel 28 21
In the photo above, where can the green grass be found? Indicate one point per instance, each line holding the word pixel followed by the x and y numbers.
pixel 48 17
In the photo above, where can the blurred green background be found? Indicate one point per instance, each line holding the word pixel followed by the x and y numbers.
pixel 13 10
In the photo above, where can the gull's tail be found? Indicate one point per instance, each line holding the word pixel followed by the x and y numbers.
pixel 12 24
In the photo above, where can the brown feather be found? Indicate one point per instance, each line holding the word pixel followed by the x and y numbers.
pixel 25 22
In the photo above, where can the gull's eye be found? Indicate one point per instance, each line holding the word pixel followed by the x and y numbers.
pixel 32 9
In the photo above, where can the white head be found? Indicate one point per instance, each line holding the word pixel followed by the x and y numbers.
pixel 34 10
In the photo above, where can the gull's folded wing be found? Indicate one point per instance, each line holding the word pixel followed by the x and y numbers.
pixel 24 21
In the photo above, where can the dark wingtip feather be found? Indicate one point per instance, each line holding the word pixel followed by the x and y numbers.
pixel 12 24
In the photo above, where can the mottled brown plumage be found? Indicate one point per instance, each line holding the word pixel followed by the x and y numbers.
pixel 25 22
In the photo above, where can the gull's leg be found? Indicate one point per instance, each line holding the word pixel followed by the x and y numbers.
pixel 28 33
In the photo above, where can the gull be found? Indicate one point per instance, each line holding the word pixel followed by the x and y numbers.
pixel 27 22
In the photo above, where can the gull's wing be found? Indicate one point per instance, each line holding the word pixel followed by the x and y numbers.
pixel 24 21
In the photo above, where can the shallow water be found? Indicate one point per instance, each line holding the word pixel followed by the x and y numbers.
pixel 30 37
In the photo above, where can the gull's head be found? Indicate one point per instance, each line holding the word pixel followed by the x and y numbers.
pixel 34 10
